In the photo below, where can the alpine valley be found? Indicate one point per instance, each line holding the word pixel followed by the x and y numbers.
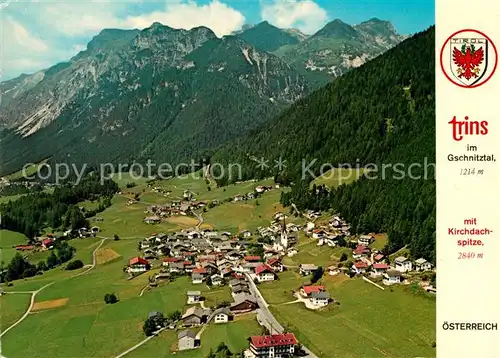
pixel 326 228
pixel 170 95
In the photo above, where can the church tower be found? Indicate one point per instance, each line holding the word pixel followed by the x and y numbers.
pixel 284 236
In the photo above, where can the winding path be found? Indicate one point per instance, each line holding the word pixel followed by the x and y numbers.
pixel 200 219
pixel 206 173
pixel 145 340
pixel 94 260
pixel 32 302
pixel 34 293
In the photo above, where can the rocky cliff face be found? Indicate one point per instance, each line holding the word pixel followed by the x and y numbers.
pixel 169 94
pixel 145 88
pixel 338 47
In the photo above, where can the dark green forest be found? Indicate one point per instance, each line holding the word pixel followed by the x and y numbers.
pixel 19 267
pixel 176 114
pixel 33 212
pixel 382 113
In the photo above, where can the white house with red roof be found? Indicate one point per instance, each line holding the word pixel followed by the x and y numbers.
pixel 359 267
pixel 361 251
pixel 318 233
pixel 276 345
pixel 138 264
pixel 306 291
pixel 275 264
pixel 47 244
pixel 201 271
pixel 264 273
pixel 380 268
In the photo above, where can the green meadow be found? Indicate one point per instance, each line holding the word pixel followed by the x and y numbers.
pixel 74 321
pixel 336 177
pixel 12 307
pixel 248 214
pixel 84 325
pixel 234 334
pixel 367 322
pixel 26 172
pixel 9 239
pixel 309 252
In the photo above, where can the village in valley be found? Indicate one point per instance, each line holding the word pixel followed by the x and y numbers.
pixel 214 258
pixel 250 277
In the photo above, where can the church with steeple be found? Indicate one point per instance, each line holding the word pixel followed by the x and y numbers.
pixel 282 243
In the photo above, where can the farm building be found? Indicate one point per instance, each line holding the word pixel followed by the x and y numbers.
pixel 422 265
pixel 264 273
pixel 186 340
pixel 320 298
pixel 307 269
pixel 402 264
pixel 193 297
pixel 138 264
pixel 222 315
pixel 243 303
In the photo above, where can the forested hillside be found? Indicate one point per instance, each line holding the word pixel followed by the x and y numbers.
pixel 267 37
pixel 34 212
pixel 380 113
pixel 161 93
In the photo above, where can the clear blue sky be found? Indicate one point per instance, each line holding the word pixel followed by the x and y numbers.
pixel 407 16
pixel 39 34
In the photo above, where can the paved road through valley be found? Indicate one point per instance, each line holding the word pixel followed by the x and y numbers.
pixel 266 318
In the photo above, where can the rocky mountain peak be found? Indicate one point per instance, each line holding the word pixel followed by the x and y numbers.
pixel 109 39
pixel 337 29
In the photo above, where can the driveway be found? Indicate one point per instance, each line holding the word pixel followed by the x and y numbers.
pixel 266 318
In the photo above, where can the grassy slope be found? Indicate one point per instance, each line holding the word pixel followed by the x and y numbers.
pixel 309 252
pixel 85 326
pixel 248 214
pixel 368 322
pixel 12 307
pixel 29 171
pixel 233 334
pixel 336 177
pixel 8 239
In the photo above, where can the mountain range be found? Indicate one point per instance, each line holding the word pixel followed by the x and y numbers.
pixel 379 115
pixel 332 50
pixel 169 95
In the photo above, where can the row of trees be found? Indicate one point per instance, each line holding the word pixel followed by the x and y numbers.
pixel 19 267
pixel 158 320
pixel 32 213
pixel 19 189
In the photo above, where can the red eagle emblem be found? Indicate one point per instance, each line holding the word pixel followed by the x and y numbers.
pixel 468 60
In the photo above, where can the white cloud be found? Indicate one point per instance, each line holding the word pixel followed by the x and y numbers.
pixel 216 15
pixel 21 50
pixel 48 31
pixel 83 18
pixel 305 15
pixel 19 35
pixel 80 18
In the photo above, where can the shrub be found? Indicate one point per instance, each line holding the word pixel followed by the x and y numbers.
pixel 110 298
pixel 74 265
